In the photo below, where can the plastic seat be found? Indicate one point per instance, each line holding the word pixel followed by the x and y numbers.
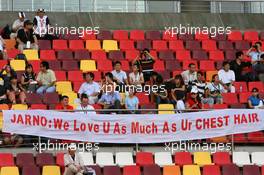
pixel 30 170
pixel 159 66
pixel 209 45
pixel 255 137
pixel 38 106
pixel 55 65
pixel 104 35
pixel 131 54
pixel 70 65
pixel 240 138
pixel 241 158
pixel 241 86
pixel 171 170
pixel 10 170
pixel 186 63
pixel 124 159
pixel 93 45
pixel 202 158
pixel 209 75
pixel 183 158
pixel 243 97
pixel 98 55
pixel 18 65
pixel 3 63
pixel 216 55
pixel 35 64
pixel 207 65
pixel 64 55
pixel 60 159
pixel 211 170
pixel 225 45
pixel 143 98
pixel 50 98
pixel 47 55
pixel 127 45
pixel 6 159
pixel 12 53
pixel 4 107
pixel 60 75
pixel 43 159
pixel 104 65
pixel 116 55
pixel 238 106
pixel 230 170
pixel 186 36
pixel 75 76
pixel 163 158
pixel 164 107
pixel 59 44
pixel 120 35
pixel 104 159
pixel 19 107
pixel 199 55
pixel 10 44
pixel 173 65
pixel 230 55
pixel 87 158
pixel 151 170
pixel 89 36
pixel 44 44
pixel 159 45
pixel 230 98
pixel 33 98
pixel 191 170
pixel 251 169
pixel 131 170
pixel 257 158
pixel 153 35
pixel 63 86
pixel 112 170
pixel 235 36
pixel 222 158
pixel 242 45
pixel 97 169
pixel 48 170
pixel 201 36
pixel 183 55
pixel 110 45
pixel 137 35
pixel 76 44
pixel 166 55
pixel 258 85
pixel 176 45
pixel 81 55
pixel 70 36
pixel 167 35
pixel 193 45
pixel 251 36
pixel 144 158
pixel 143 44
pixel 218 37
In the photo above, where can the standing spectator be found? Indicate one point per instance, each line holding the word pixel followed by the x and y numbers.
pixel 84 106
pixel 6 73
pixel 18 24
pixel 255 53
pixel 238 65
pixel 26 39
pixel 131 102
pixel 189 76
pixel 64 104
pixel 15 90
pixel 136 77
pixel 161 95
pixel 216 89
pixel 41 24
pixel 227 77
pixel 146 63
pixel 3 55
pixel 254 102
pixel 193 101
pixel 46 79
pixel 28 79
pixel 90 88
pixel 178 92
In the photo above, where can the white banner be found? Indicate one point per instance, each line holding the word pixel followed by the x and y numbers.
pixel 149 128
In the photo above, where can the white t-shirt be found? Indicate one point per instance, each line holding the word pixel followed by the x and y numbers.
pixel 89 88
pixel 188 77
pixel 226 77
pixel 121 76
pixel 88 107
pixel 135 77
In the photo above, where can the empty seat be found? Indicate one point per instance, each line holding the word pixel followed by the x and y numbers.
pixel 104 65
pixel 176 45
pixel 151 170
pixel 240 138
pixel 112 170
pixel 159 45
pixel 230 170
pixel 251 36
pixel 81 55
pixel 143 98
pixel 166 55
pixel 242 45
pixel 10 170
pixel 218 37
pixel 144 44
pixel 186 36
pixel 38 106
pixel 241 158
pixel 202 158
pixel 30 170
pixel 131 54
pixel 104 35
pixel 193 45
pixel 59 44
pixel 60 75
pixel 183 55
pixel 124 159
pixel 209 45
pixel 257 158
pixel 256 137
pixel 243 97
pixel 35 64
pixel 259 85
pixel 50 98
pixel 163 107
pixel 63 86
pixel 216 55
pixel 43 159
pixel 47 55
pixel 31 54
pixel 211 170
pixel 168 35
pixel 126 45
pixel 251 169
pixel 163 158
pixel 19 107
pixel 199 55
pixel 235 36
pixel 76 44
pixel 241 86
pixel 230 98
pixel 18 65
pixel 153 35
pixel 230 55
pixel 116 55
pixel 104 159
pixel 110 45
pixel 225 45
pixel 222 158
pixel 191 170
pixel 183 158
pixel 33 98
pixel 60 159
pixel 120 35
pixel 89 35
pixel 44 44
pixel 6 159
pixel 131 170
pixel 93 45
pixel 64 55
pixel 75 76
pixel 201 36
pixel 69 36
pixel 171 170
pixel 144 158
pixel 70 65
pixel 206 65
pixel 55 65
pixel 10 44
pixel 173 65
pixel 87 158
pixel 98 55
pixel 48 170
pixel 137 35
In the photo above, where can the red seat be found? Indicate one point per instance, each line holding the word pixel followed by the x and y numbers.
pixel 185 64
pixel 165 75
pixel 131 54
pixel 230 55
pixel 35 64
pixel 60 159
pixel 125 65
pixel 104 35
pixel 238 106
pixel 257 84
pixel 220 106
pixel 116 55
pixel 137 35
pixel 153 35
pixel 230 170
pixel 193 45
pixel 104 65
pixel 43 159
pixel 166 55
pixel 98 55
pixel 97 75
pixel 256 137
pixel 225 45
pixel 3 63
pixel 112 170
pixel 230 98
pixel 206 65
pixel 69 36
pixel 216 55
pixel 183 55
pixel 131 170
pixel 251 36
pixel 75 76
pixel 144 44
pixel 262 170
pixel 209 45
pixel 159 65
pixel 201 36
pixel 50 98
pixel 76 44
pixel 211 170
pixel 183 158
pixel 44 44
pixel 173 65
pixel 240 138
pixel 251 169
pixel 186 36
pixel 30 170
pixel 77 85
pixel 70 65
pixel 6 159
pixel 144 158
pixel 81 54
pixel 151 170
pixel 199 55
pixel 143 98
pixel 47 55
pixel 64 55
pixel 169 36
pixel 243 97
pixel 159 45
pixel 241 86
pixel 176 45
pixel 235 36
pixel 33 98
pixel 55 65
pixel 38 106
pixel 120 35
pixel 222 158
pixel 218 37
pixel 89 36
pixel 59 44
pixel 12 53
pixel 127 45
pixel 242 45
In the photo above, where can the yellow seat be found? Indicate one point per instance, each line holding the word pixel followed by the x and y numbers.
pixel 166 107
pixel 202 158
pixel 10 44
pixel 31 54
pixel 1 120
pixel 93 45
pixel 18 65
pixel 171 170
pixel 191 170
pixel 110 45
pixel 88 65
pixel 72 96
pixel 63 87
pixel 51 170
pixel 9 170
pixel 19 107
pixel 209 75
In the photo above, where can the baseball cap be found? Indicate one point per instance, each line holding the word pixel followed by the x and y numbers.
pixel 72 146
pixel 41 10
pixel 194 90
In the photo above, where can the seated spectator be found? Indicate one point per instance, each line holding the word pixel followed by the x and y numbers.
pixel 46 79
pixel 145 61
pixel 193 101
pixel 3 93
pixel 64 104
pixel 12 140
pixel 28 79
pixel 178 91
pixel 189 76
pixel 3 55
pixel 111 98
pixel 6 73
pixel 26 38
pixel 136 77
pixel 254 102
pixel 90 88
pixel 18 24
pixel 255 52
pixel 238 65
pixel 161 95
pixel 227 77
pixel 16 91
pixel 206 98
pixel 131 102
pixel 119 75
pixel 216 89
pixel 41 23
pixel 84 106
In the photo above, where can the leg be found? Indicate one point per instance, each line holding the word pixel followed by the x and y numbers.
pixel 21 47
pixel 71 170
pixel 41 89
pixel 12 97
pixel 22 97
pixel 50 89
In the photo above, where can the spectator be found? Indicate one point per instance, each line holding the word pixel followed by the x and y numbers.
pixel 84 106
pixel 90 88
pixel 238 65
pixel 46 79
pixel 18 24
pixel 131 102
pixel 119 76
pixel 193 101
pixel 3 55
pixel 41 23
pixel 64 104
pixel 111 98
pixel 6 73
pixel 145 61
pixel 189 76
pixel 28 79
pixel 12 139
pixel 26 38
pixel 254 102
pixel 216 89
pixel 3 93
pixel 227 77
pixel 15 90
pixel 178 92
pixel 108 78
pixel 255 52
pixel 161 95
pixel 136 77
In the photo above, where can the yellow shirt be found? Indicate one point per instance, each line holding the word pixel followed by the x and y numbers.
pixel 46 78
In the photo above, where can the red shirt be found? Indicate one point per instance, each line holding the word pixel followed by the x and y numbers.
pixel 191 102
pixel 60 107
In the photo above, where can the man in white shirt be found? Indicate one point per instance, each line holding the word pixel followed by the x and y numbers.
pixel 119 76
pixel 18 24
pixel 227 77
pixel 87 109
pixel 41 23
pixel 189 76
pixel 73 161
pixel 90 88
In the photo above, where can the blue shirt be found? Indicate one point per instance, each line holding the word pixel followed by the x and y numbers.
pixel 109 98
pixel 255 56
pixel 131 102
pixel 254 100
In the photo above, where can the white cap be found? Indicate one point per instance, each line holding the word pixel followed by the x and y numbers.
pixel 194 90
pixel 21 15
pixel 72 146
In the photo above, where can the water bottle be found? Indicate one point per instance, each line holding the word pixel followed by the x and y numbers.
pixel 240 88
